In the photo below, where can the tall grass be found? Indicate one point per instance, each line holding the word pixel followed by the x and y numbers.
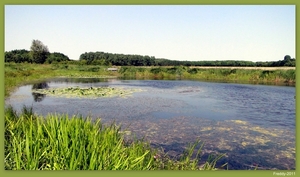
pixel 60 142
pixel 216 74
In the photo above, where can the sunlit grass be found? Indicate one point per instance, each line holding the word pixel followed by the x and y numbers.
pixel 60 142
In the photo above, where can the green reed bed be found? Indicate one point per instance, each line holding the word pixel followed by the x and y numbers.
pixel 215 74
pixel 60 142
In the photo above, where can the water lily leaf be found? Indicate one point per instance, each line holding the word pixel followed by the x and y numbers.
pixel 90 92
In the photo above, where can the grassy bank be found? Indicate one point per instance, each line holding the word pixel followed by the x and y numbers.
pixel 59 142
pixel 271 76
pixel 17 74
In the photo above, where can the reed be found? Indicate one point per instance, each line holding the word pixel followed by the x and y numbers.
pixel 60 142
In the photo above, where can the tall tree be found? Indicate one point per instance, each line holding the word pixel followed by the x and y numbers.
pixel 287 58
pixel 38 52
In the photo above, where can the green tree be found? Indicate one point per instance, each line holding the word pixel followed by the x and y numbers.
pixel 17 56
pixel 56 57
pixel 38 52
pixel 287 58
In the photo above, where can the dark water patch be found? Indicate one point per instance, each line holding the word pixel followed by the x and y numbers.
pixel 78 80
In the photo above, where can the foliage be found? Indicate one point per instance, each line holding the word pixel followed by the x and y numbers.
pixel 117 59
pixel 17 56
pixel 217 74
pixel 108 59
pixel 60 142
pixel 56 57
pixel 25 56
pixel 166 62
pixel 138 60
pixel 38 52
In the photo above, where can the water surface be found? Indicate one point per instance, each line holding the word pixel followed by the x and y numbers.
pixel 251 124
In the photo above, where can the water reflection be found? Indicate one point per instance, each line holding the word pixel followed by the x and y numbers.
pixel 41 85
pixel 80 80
pixel 38 97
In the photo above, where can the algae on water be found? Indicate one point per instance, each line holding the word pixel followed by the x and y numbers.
pixel 90 92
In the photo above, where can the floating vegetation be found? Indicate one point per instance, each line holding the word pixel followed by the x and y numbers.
pixel 206 129
pixel 90 92
pixel 239 122
pixel 75 75
pixel 244 143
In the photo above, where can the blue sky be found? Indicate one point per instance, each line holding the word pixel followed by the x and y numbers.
pixel 177 32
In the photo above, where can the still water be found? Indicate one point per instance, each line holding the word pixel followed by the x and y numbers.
pixel 251 124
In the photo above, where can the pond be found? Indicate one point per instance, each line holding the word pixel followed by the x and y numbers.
pixel 254 125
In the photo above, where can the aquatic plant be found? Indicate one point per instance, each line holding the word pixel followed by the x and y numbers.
pixel 90 92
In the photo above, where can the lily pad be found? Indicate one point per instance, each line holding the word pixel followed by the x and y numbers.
pixel 89 92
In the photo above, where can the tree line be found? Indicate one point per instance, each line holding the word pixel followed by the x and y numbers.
pixel 118 59
pixel 21 56
pixel 39 53
pixel 138 60
pixel 287 61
